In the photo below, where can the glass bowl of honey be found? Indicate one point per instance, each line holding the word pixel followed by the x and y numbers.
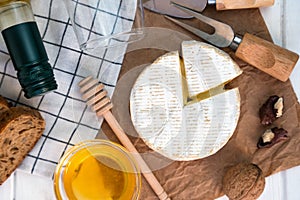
pixel 97 169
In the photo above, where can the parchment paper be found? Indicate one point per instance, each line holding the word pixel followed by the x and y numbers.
pixel 201 179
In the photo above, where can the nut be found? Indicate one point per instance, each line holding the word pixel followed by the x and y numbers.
pixel 271 110
pixel 243 181
pixel 267 136
pixel 279 107
pixel 271 137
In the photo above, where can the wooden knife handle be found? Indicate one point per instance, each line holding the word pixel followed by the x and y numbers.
pixel 266 56
pixel 237 4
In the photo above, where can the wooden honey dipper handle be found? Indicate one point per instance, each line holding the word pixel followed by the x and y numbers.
pixel 149 176
pixel 95 95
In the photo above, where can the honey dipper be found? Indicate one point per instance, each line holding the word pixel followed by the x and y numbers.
pixel 96 96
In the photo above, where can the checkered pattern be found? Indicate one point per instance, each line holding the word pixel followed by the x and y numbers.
pixel 68 120
pixel 106 18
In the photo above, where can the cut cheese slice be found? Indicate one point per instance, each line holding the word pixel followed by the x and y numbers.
pixel 207 66
pixel 159 106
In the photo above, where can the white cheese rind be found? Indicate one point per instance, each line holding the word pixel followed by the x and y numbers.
pixel 177 131
pixel 207 63
pixel 204 128
pixel 156 100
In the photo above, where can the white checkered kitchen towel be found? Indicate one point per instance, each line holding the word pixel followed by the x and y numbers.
pixel 68 120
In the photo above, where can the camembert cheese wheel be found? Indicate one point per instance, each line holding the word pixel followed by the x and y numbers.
pixel 170 108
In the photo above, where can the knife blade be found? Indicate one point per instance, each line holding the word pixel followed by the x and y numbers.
pixel 165 7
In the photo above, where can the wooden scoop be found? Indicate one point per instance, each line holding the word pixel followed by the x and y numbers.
pixel 95 94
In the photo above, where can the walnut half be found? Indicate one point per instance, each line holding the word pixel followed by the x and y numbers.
pixel 271 137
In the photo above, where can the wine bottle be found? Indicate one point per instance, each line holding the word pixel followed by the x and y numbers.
pixel 25 46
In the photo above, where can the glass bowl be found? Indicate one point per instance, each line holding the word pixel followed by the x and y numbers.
pixel 97 169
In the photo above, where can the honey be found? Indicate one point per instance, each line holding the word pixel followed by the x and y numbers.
pixel 99 172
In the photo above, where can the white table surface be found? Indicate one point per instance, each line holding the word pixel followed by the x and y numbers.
pixel 283 21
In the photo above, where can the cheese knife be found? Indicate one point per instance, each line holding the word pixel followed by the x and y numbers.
pixel 165 7
pixel 264 55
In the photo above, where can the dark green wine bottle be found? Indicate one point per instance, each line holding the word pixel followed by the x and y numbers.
pixel 26 49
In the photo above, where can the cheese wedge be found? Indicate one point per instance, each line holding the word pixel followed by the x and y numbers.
pixel 211 65
pixel 160 108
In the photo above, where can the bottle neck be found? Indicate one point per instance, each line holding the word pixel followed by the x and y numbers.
pixel 14 12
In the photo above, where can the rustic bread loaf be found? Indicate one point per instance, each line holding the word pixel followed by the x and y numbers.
pixel 20 129
pixel 243 181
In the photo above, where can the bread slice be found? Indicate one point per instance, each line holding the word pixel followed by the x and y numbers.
pixel 3 105
pixel 20 129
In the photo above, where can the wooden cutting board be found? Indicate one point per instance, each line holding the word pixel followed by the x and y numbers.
pixel 201 179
